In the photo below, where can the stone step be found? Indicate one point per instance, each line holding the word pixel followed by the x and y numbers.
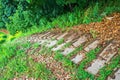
pixel 96 65
pixel 115 76
pixel 92 46
pixel 78 58
pixel 109 52
pixel 62 36
pixel 37 37
pixel 46 34
pixel 68 50
pixel 44 41
pixel 56 35
pixel 68 39
pixel 52 43
pixel 80 41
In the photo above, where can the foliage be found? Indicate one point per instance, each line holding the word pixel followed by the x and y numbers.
pixel 93 33
pixel 1 13
pixel 75 51
pixel 7 37
pixel 25 15
pixel 60 41
pixel 19 22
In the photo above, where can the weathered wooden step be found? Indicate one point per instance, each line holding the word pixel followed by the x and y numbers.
pixel 37 37
pixel 72 36
pixel 44 41
pixel 116 75
pixel 80 41
pixel 78 58
pixel 46 34
pixel 58 47
pixel 96 66
pixel 68 50
pixel 92 46
pixel 52 43
pixel 68 39
pixel 62 36
pixel 109 52
pixel 57 35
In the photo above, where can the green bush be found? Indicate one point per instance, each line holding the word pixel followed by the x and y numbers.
pixel 3 38
pixel 19 22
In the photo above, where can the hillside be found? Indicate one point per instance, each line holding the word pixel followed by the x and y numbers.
pixel 59 40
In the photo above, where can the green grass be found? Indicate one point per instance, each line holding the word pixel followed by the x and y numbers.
pixel 17 63
pixel 13 50
pixel 60 41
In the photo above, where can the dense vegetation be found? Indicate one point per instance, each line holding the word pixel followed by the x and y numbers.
pixel 24 15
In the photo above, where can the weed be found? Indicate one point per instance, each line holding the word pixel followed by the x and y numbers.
pixel 67 45
pixel 93 33
pixel 45 50
pixel 60 41
pixel 75 51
